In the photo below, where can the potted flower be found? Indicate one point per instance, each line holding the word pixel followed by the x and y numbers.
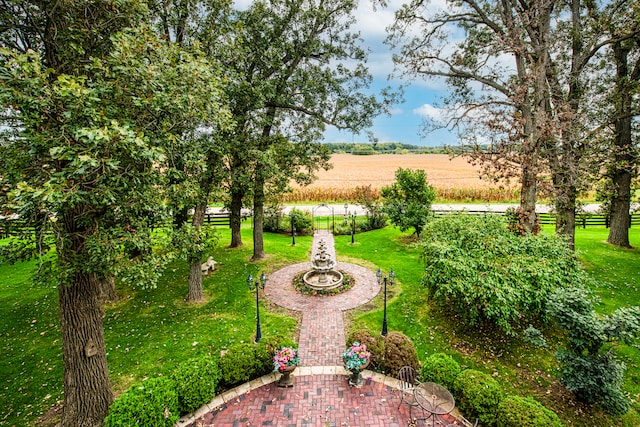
pixel 285 361
pixel 356 358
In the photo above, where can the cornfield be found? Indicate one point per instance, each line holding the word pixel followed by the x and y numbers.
pixel 453 179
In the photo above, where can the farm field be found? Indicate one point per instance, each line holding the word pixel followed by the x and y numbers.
pixel 453 179
pixel 378 170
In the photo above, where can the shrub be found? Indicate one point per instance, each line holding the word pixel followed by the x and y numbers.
pixel 483 272
pixel 153 402
pixel 399 351
pixel 440 368
pixel 594 378
pixel 272 219
pixel 302 221
pixel 375 345
pixel 587 367
pixel 516 411
pixel 478 395
pixel 238 365
pixel 196 381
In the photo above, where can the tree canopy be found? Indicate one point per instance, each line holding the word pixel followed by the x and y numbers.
pixel 408 200
pixel 81 153
pixel 521 75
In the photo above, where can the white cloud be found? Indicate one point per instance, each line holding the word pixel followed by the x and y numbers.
pixel 435 114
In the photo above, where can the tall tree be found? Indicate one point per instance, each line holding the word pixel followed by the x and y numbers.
pixel 52 109
pixel 85 121
pixel 622 164
pixel 196 158
pixel 300 70
pixel 495 62
pixel 543 92
pixel 580 41
pixel 408 200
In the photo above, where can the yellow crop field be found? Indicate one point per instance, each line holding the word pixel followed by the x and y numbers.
pixel 453 179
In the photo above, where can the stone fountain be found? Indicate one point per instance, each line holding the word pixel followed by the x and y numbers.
pixel 323 275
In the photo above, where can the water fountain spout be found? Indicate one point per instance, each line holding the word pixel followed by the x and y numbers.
pixel 323 275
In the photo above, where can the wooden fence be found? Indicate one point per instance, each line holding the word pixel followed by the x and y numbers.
pixel 582 220
pixel 19 227
pixel 16 227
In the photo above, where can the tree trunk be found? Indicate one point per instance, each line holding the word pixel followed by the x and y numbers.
pixel 86 376
pixel 535 110
pixel 623 159
pixel 258 215
pixel 195 282
pixel 528 196
pixel 236 218
pixel 620 204
pixel 195 272
pixel 258 189
pixel 108 289
pixel 565 210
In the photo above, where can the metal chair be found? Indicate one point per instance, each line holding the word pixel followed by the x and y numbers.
pixel 408 381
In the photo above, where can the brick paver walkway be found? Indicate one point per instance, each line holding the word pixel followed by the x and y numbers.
pixel 321 395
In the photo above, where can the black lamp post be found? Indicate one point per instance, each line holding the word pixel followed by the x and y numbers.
pixel 293 230
pixel 257 285
pixel 392 276
pixel 353 227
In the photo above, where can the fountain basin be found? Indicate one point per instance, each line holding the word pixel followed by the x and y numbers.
pixel 323 279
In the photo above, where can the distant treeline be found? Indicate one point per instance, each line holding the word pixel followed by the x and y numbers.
pixel 383 148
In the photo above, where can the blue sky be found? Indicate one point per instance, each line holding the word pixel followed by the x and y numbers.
pixel 420 96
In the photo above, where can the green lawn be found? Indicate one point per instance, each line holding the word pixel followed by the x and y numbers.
pixel 148 332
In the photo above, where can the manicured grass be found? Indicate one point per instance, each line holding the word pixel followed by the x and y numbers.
pixel 149 331
pixel 31 364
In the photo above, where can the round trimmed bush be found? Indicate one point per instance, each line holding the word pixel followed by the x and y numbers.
pixel 375 346
pixel 440 368
pixel 196 381
pixel 399 351
pixel 478 395
pixel 238 365
pixel 516 411
pixel 153 402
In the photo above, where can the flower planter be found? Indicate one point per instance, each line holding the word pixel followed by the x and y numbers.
pixel 286 380
pixel 355 379
pixel 356 359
